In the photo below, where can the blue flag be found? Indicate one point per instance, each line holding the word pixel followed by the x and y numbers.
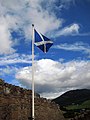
pixel 42 42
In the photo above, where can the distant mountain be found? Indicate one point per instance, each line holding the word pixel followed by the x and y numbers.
pixel 73 97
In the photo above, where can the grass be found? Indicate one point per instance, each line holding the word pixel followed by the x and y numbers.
pixel 84 105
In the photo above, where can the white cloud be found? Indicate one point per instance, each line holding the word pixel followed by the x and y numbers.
pixel 15 58
pixel 18 14
pixel 8 70
pixel 69 30
pixel 55 77
pixel 78 46
pixel 5 38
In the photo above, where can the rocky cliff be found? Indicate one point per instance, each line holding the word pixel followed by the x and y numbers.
pixel 15 104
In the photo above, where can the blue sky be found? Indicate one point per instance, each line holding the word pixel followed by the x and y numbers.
pixel 66 65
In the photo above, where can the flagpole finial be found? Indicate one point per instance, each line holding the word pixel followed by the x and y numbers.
pixel 33 25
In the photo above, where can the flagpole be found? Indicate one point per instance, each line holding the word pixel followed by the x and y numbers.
pixel 33 72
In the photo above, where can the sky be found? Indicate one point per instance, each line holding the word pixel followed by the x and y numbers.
pixel 66 66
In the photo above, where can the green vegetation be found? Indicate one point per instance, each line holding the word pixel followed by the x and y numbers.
pixel 74 103
pixel 84 105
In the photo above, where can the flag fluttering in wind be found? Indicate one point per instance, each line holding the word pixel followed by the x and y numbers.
pixel 42 42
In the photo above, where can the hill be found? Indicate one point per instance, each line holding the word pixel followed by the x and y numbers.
pixel 75 104
pixel 73 97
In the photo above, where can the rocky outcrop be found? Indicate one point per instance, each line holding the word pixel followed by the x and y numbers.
pixel 15 104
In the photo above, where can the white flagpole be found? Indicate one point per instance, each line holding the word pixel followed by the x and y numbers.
pixel 32 71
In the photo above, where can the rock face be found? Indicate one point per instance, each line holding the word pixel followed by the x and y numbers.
pixel 15 104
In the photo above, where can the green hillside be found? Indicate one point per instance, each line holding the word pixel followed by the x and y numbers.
pixel 75 104
pixel 73 97
pixel 84 105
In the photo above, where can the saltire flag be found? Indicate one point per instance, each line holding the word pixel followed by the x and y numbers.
pixel 42 42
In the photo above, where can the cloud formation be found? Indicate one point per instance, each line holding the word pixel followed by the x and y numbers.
pixel 69 30
pixel 12 19
pixel 15 58
pixel 18 14
pixel 5 38
pixel 78 46
pixel 55 77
